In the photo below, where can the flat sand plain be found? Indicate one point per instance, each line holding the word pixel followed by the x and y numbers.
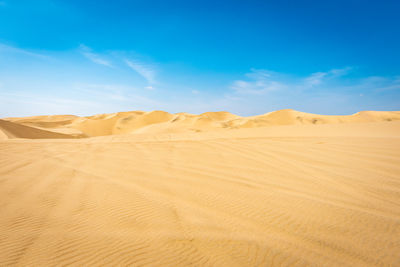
pixel 213 190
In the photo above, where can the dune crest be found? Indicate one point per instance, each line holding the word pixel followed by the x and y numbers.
pixel 154 122
pixel 14 130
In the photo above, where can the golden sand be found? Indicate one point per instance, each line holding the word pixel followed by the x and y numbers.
pixel 158 189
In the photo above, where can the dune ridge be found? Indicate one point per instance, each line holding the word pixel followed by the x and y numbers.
pixel 154 122
pixel 14 130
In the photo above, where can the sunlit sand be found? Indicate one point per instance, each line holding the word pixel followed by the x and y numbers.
pixel 215 189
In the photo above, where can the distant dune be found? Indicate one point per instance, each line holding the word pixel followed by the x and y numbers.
pixel 155 122
pixel 285 188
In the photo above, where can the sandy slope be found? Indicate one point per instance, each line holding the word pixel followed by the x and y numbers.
pixel 14 130
pixel 280 195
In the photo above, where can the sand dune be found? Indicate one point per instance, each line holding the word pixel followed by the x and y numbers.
pixel 213 189
pixel 14 130
pixel 163 122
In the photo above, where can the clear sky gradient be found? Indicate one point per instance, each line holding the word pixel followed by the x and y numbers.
pixel 246 57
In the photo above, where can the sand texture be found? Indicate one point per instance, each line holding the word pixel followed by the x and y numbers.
pixel 158 189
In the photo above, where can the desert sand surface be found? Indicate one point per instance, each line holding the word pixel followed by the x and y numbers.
pixel 216 189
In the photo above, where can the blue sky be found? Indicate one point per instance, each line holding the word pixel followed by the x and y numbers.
pixel 246 57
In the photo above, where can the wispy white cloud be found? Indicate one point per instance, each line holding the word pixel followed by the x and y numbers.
pixel 315 79
pixel 335 91
pixel 79 99
pixel 259 82
pixel 341 72
pixel 318 78
pixel 144 70
pixel 253 93
pixel 95 58
pixel 116 92
pixel 25 52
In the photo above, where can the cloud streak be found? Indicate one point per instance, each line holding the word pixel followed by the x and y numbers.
pixel 16 50
pixel 261 82
pixel 88 90
pixel 318 78
pixel 144 70
pixel 95 58
pixel 116 92
pixel 336 91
